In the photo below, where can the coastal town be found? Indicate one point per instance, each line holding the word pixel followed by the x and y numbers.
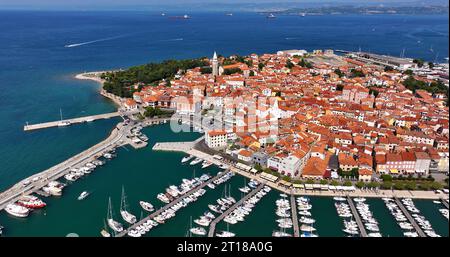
pixel 337 116
pixel 348 126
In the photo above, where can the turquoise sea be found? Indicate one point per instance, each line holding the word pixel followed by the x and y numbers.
pixel 36 80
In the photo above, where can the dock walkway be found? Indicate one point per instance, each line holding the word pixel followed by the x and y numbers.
pixel 361 227
pixel 409 217
pixel 77 120
pixel 212 227
pixel 169 205
pixel 444 202
pixel 294 217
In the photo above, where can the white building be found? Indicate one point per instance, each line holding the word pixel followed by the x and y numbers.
pixel 423 162
pixel 216 139
pixel 289 165
pixel 292 52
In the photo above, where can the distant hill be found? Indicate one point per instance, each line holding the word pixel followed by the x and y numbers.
pixel 349 9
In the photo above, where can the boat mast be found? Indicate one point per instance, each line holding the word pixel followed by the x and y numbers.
pixel 60 113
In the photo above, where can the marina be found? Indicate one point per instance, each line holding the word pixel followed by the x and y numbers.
pixel 409 217
pixel 294 217
pixel 168 206
pixel 361 226
pixel 212 227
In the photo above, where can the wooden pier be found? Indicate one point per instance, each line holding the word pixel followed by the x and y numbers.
pixel 362 229
pixel 444 202
pixel 409 217
pixel 169 205
pixel 294 217
pixel 212 227
pixel 77 120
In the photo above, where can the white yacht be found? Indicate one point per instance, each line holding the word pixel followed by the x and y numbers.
pixel 114 225
pixel 225 234
pixel 17 210
pixel 127 216
pixel 83 195
pixel 196 161
pixel 186 158
pixel 147 206
pixel 198 231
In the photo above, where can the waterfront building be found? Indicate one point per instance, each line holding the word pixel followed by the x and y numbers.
pixel 423 162
pixel 216 139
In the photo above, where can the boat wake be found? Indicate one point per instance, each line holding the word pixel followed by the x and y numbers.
pixel 93 41
pixel 174 39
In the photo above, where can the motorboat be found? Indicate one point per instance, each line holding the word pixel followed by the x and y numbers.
pixel 31 202
pixel 206 164
pixel 186 158
pixel 195 161
pixel 280 234
pixel 198 231
pixel 147 206
pixel 17 210
pixel 225 234
pixel 83 195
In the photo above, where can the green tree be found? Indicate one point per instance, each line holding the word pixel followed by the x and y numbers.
pixel 373 184
pixel 399 185
pixel 334 183
pixel 431 65
pixel 386 185
pixel 206 70
pixel 436 185
pixel 388 68
pixel 409 72
pixel 231 71
pixel 359 184
pixel 251 73
pixel 289 64
pixel 323 182
pixel 411 185
pixel 261 66
pixel 419 62
pixel 339 73
pixel 347 183
pixel 356 73
pixel 386 177
pixel 258 167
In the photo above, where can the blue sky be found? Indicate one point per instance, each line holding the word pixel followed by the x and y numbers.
pixel 185 4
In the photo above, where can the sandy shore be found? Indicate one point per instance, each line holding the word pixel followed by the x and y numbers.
pixel 95 76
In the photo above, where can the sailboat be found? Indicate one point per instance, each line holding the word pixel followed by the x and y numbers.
pixel 104 232
pixel 114 225
pixel 128 217
pixel 62 123
pixel 226 233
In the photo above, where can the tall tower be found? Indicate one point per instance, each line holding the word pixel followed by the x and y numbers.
pixel 215 65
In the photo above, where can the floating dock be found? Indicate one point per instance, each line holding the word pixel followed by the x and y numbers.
pixel 167 206
pixel 212 227
pixel 294 217
pixel 409 217
pixel 362 229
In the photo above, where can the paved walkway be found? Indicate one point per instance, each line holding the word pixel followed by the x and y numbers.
pixel 410 218
pixel 362 229
pixel 212 227
pixel 167 206
pixel 294 217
